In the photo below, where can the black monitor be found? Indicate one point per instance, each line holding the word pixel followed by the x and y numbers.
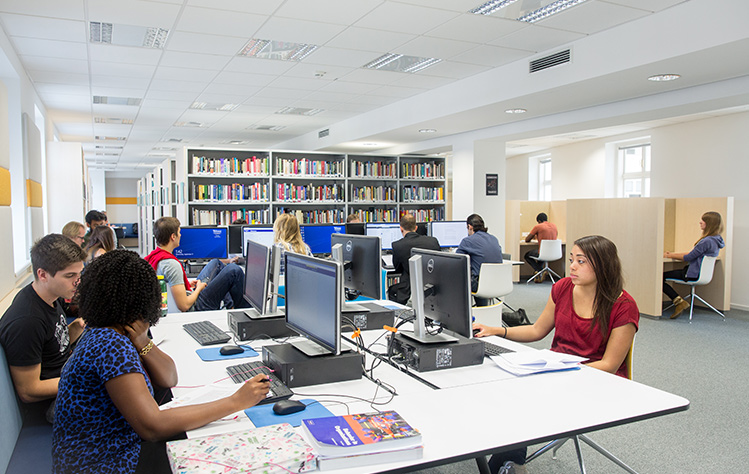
pixel 356 228
pixel 260 278
pixel 422 228
pixel 236 240
pixel 317 236
pixel 262 234
pixel 362 260
pixel 441 292
pixel 387 232
pixel 202 243
pixel 313 303
pixel 449 233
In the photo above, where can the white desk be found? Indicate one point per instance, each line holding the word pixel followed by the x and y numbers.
pixel 474 415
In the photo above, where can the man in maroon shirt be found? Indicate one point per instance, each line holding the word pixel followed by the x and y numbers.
pixel 544 230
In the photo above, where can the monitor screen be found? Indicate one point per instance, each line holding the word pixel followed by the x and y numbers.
pixel 260 234
pixel 356 228
pixel 256 275
pixel 202 243
pixel 387 232
pixel 314 310
pixel 363 264
pixel 422 228
pixel 317 236
pixel 236 240
pixel 447 280
pixel 449 233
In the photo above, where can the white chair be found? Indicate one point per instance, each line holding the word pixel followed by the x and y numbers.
pixel 549 251
pixel 495 281
pixel 706 275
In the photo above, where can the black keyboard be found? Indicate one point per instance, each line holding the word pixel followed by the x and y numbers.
pixel 206 333
pixel 242 372
pixel 494 350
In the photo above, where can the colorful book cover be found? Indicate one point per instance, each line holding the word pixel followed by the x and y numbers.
pixel 361 430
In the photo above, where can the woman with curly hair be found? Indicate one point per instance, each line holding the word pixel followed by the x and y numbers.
pixel 105 406
pixel 100 242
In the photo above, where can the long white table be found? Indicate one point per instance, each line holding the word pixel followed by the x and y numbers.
pixel 475 412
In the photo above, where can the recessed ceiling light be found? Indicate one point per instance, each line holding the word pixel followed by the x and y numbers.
pixel 165 148
pixel 369 144
pixel 213 106
pixel 191 124
pixel 549 10
pixel 235 142
pixel 298 111
pixel 491 6
pixel 427 130
pixel 515 111
pixel 271 128
pixel 127 35
pixel 108 147
pixel 113 121
pixel 101 99
pixel 101 137
pixel 401 63
pixel 278 50
pixel 664 77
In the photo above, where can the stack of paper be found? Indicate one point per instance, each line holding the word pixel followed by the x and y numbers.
pixel 536 362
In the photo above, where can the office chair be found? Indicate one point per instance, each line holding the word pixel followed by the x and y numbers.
pixel 706 275
pixel 557 443
pixel 495 282
pixel 549 251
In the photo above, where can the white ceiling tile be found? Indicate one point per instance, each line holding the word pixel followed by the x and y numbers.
pixel 257 103
pixel 452 5
pixel 591 17
pixel 66 107
pixel 208 44
pixel 422 82
pixel 349 87
pixel 298 31
pixel 150 103
pixel 61 90
pixel 649 5
pixel 223 98
pixel 66 9
pixel 133 12
pixel 334 96
pixel 453 70
pixel 395 91
pixel 405 18
pixel 44 28
pixel 182 86
pixel 341 57
pixel 117 91
pixel 194 60
pixel 475 28
pixel 124 54
pixel 426 47
pixel 171 95
pixel 354 107
pixel 239 90
pixel 376 100
pixel 368 39
pixel 258 66
pixel 310 70
pixel 299 83
pixel 343 12
pixel 212 21
pixel 284 95
pixel 38 63
pixel 179 73
pixel 202 116
pixel 537 38
pixel 118 111
pixel 50 48
pixel 492 56
pixel 100 68
pixel 373 76
pixel 120 82
pixel 59 78
pixel 266 7
pixel 244 79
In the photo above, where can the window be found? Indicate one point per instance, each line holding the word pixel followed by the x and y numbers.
pixel 634 171
pixel 544 179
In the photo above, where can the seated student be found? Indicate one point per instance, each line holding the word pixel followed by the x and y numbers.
pixel 708 245
pixel 33 331
pixel 106 408
pixel 100 242
pixel 544 230
pixel 75 231
pixel 286 234
pixel 482 247
pixel 591 314
pixel 201 296
pixel 401 291
pixel 353 219
pixel 93 220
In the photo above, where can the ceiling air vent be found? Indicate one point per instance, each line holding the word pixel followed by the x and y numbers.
pixel 562 57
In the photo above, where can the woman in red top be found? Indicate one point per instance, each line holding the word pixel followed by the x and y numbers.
pixel 592 315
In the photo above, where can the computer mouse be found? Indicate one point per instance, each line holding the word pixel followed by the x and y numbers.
pixel 476 331
pixel 230 350
pixel 287 407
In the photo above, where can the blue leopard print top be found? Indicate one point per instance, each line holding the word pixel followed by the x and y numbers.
pixel 90 434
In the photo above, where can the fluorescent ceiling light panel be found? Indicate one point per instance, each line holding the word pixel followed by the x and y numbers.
pixel 271 128
pixel 191 124
pixel 108 147
pixel 298 111
pixel 127 35
pixel 119 139
pixel 515 111
pixel 427 130
pixel 664 77
pixel 101 99
pixel 165 148
pixel 491 6
pixel 213 106
pixel 549 10
pixel 113 121
pixel 235 142
pixel 401 63
pixel 277 50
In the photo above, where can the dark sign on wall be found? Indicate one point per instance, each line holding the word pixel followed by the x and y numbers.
pixel 492 184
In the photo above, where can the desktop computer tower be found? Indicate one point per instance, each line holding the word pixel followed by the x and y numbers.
pixel 246 328
pixel 372 316
pixel 295 369
pixel 427 357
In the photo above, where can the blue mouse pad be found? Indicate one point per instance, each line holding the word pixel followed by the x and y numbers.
pixel 212 353
pixel 262 415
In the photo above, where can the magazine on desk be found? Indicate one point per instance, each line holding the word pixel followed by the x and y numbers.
pixel 537 362
pixel 362 439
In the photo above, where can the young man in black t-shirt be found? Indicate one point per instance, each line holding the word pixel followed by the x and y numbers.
pixel 33 331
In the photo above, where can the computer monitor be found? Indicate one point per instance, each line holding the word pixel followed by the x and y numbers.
pixel 361 257
pixel 262 234
pixel 356 228
pixel 261 279
pixel 236 240
pixel 317 236
pixel 449 233
pixel 202 243
pixel 440 291
pixel 422 228
pixel 314 309
pixel 387 232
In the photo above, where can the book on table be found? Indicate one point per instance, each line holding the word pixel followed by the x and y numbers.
pixel 362 439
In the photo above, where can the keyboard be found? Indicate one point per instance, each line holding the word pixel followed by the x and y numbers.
pixel 206 333
pixel 242 372
pixel 494 350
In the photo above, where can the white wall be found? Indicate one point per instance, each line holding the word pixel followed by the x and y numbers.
pixel 122 188
pixel 64 184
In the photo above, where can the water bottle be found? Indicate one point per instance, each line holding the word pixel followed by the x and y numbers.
pixel 164 302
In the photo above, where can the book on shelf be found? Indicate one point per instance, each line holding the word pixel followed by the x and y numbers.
pixel 362 439
pixel 231 165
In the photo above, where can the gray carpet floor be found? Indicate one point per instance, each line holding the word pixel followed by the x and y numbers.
pixel 707 362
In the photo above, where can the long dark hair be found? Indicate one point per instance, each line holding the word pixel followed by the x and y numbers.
pixel 477 222
pixel 603 256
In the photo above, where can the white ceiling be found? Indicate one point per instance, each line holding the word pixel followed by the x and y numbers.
pixel 200 63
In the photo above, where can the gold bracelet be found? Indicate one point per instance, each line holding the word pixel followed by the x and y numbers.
pixel 147 348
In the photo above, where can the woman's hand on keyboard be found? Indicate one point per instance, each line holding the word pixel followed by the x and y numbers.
pixel 252 391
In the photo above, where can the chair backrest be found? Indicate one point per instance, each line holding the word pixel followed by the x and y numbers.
pixel 12 420
pixel 706 271
pixel 629 359
pixel 495 280
pixel 550 250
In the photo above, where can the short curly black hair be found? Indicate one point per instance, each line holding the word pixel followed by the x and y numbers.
pixel 119 288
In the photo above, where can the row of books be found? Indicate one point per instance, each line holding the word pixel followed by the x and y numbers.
pixel 309 192
pixel 226 217
pixel 423 170
pixel 376 215
pixel 231 192
pixel 425 215
pixel 317 216
pixel 373 193
pixel 369 169
pixel 304 166
pixel 423 193
pixel 231 165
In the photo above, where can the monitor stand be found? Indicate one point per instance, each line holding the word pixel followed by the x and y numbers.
pixel 310 348
pixel 349 307
pixel 254 314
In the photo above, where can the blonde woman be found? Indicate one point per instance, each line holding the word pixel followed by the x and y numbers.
pixel 286 234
